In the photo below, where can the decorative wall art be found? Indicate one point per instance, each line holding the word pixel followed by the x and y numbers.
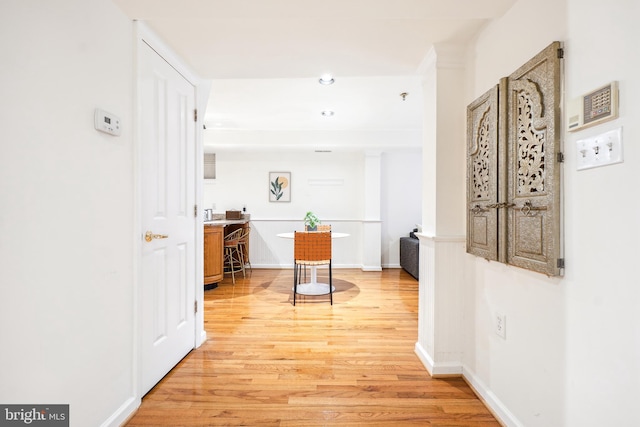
pixel 279 186
pixel 514 160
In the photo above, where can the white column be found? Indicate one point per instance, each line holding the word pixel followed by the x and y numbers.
pixel 372 225
pixel 442 240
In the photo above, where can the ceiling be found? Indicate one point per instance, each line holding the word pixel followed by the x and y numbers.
pixel 264 58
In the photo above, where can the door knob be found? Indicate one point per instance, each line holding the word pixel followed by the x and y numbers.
pixel 149 236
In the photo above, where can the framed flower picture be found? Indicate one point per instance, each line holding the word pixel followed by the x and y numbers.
pixel 279 186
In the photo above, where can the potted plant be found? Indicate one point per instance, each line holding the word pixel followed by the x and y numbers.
pixel 311 221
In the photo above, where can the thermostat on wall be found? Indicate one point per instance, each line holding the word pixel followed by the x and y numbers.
pixel 107 122
pixel 593 108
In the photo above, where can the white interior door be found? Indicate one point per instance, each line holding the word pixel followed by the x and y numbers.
pixel 167 214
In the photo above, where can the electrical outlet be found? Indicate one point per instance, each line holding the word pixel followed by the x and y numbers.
pixel 501 325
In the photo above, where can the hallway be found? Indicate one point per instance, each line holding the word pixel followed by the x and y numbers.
pixel 267 363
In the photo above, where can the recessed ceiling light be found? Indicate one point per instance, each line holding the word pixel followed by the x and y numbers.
pixel 327 113
pixel 326 79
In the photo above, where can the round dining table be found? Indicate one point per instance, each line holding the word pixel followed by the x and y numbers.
pixel 314 287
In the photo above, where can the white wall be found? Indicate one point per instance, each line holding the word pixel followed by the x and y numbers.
pixel 242 180
pixel 66 216
pixel 400 199
pixel 572 352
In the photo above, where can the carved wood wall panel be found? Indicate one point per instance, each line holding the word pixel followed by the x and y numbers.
pixel 482 175
pixel 533 96
pixel 516 217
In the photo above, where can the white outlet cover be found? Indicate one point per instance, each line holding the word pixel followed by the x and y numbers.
pixel 599 150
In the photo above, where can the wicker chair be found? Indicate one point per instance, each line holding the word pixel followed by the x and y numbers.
pixel 233 257
pixel 244 245
pixel 311 248
pixel 319 227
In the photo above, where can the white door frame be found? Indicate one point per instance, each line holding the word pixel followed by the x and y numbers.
pixel 144 35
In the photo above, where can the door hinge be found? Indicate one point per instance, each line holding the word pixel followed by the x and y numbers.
pixel 560 157
pixel 195 307
pixel 560 263
pixel 195 211
pixel 195 115
pixel 560 53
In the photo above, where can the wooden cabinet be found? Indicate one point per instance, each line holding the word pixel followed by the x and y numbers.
pixel 213 253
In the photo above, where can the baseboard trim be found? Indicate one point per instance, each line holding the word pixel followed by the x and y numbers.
pixel 424 358
pixel 290 266
pixel 490 400
pixel 203 338
pixel 435 369
pixel 123 413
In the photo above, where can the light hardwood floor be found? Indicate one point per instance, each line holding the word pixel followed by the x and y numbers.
pixel 268 363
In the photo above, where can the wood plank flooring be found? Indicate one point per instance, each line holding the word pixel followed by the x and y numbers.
pixel 268 363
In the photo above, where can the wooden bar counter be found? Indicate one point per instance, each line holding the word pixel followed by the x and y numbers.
pixel 214 232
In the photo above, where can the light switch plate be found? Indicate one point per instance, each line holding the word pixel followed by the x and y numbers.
pixel 600 150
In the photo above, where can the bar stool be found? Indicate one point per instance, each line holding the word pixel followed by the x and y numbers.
pixel 244 245
pixel 233 257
